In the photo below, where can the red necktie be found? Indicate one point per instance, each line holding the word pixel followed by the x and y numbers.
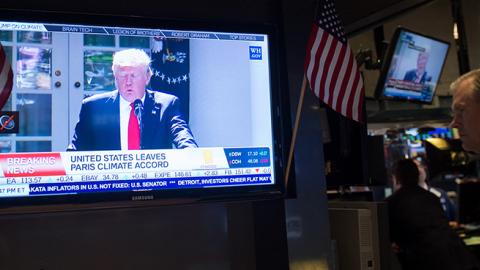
pixel 133 131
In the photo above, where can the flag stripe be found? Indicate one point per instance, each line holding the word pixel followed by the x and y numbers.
pixel 4 73
pixel 3 58
pixel 350 79
pixel 340 74
pixel 6 78
pixel 332 66
pixel 312 66
pixel 344 84
pixel 311 44
pixel 351 86
pixel 319 90
pixel 328 61
pixel 323 41
pixel 5 94
pixel 356 99
pixel 355 78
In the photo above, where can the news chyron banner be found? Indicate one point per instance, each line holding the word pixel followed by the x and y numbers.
pixel 32 174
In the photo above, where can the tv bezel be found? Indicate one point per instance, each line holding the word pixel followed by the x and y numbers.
pixel 387 60
pixel 280 113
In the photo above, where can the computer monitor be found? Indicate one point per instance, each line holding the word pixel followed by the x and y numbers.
pixel 361 234
pixel 468 200
pixel 447 157
pixel 412 67
pixel 213 123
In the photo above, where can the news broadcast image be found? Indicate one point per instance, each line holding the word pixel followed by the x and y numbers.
pixel 220 80
pixel 415 67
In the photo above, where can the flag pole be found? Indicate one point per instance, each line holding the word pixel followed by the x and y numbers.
pixel 295 130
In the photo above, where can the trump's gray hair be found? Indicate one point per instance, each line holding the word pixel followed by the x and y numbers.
pixel 131 57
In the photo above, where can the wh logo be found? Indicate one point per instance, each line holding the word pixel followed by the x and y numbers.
pixel 255 52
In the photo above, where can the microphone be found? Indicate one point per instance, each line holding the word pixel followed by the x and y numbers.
pixel 138 110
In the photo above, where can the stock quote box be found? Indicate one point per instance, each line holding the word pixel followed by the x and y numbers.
pixel 111 171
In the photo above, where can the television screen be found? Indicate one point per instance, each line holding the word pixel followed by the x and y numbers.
pixel 468 200
pixel 123 108
pixel 412 67
pixel 447 157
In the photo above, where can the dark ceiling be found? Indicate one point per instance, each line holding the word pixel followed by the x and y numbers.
pixel 357 15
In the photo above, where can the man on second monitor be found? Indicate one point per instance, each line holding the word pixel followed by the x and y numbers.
pixel 466 109
pixel 419 74
pixel 131 117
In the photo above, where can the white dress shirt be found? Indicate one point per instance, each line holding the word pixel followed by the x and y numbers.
pixel 125 109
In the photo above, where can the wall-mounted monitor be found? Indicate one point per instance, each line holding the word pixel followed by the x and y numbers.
pixel 412 67
pixel 468 200
pixel 446 157
pixel 212 116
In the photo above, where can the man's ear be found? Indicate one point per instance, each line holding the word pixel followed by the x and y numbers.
pixel 396 184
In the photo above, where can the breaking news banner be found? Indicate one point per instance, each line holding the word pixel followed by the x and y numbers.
pixel 106 171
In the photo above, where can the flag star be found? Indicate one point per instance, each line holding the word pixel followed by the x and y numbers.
pixel 168 80
pixel 185 77
pixel 162 76
pixel 174 81
pixel 157 73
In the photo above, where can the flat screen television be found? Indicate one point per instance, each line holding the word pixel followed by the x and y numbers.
pixel 213 123
pixel 412 67
pixel 446 159
pixel 468 200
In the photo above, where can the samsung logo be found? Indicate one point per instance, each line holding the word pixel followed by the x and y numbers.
pixel 142 198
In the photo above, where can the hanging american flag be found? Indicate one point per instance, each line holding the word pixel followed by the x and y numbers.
pixel 6 77
pixel 330 66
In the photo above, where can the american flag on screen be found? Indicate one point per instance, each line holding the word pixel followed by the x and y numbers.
pixel 330 65
pixel 6 77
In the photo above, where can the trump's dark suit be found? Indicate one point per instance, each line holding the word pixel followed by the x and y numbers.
pixel 98 127
pixel 411 76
